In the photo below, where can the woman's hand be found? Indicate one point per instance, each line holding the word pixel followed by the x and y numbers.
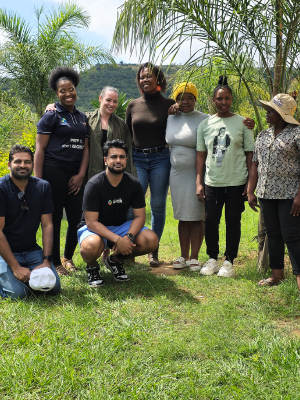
pixel 75 184
pixel 173 110
pixel 295 210
pixel 50 107
pixel 252 200
pixel 249 123
pixel 200 193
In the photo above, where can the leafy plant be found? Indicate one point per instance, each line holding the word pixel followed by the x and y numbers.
pixel 121 108
pixel 258 40
pixel 27 57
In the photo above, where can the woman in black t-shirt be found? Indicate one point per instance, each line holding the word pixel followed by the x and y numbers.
pixel 61 158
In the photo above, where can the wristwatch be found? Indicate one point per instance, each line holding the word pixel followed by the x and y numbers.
pixel 130 236
pixel 49 258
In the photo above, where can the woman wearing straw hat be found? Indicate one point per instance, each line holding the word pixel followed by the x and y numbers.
pixel 181 135
pixel 275 173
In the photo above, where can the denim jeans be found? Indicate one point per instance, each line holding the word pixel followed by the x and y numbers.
pixel 16 289
pixel 215 198
pixel 282 228
pixel 154 170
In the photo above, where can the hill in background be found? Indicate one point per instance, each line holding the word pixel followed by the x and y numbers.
pixel 122 77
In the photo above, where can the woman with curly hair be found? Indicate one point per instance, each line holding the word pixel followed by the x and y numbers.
pixel 61 158
pixel 146 118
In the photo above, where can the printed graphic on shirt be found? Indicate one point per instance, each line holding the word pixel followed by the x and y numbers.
pixel 110 202
pixel 220 145
pixel 63 121
pixel 74 144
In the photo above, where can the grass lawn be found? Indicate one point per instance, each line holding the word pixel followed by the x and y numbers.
pixel 183 336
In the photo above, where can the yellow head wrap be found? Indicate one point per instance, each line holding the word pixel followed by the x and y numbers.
pixel 185 87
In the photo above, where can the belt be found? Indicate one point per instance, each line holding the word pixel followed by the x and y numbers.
pixel 151 150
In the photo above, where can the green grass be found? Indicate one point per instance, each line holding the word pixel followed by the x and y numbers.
pixel 156 337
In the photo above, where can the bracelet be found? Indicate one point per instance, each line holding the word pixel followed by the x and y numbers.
pixel 118 239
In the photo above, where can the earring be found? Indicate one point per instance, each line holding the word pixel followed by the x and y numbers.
pixel 158 88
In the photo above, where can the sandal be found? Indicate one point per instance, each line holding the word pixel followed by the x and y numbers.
pixel 68 264
pixel 62 271
pixel 269 282
pixel 194 265
pixel 179 263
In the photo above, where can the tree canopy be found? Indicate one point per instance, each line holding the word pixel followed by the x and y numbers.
pixel 257 39
pixel 28 55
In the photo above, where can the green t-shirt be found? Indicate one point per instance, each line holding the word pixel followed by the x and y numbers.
pixel 225 140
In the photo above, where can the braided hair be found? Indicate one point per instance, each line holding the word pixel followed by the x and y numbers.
pixel 222 84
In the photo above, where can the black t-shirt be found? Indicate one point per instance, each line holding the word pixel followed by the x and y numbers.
pixel 112 203
pixel 21 225
pixel 68 132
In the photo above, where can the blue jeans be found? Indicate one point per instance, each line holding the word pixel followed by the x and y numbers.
pixel 16 289
pixel 154 170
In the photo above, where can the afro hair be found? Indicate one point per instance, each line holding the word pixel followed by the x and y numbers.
pixel 63 72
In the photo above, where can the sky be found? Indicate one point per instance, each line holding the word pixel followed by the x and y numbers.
pixel 103 18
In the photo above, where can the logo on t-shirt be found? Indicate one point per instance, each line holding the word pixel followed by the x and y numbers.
pixel 63 121
pixel 110 202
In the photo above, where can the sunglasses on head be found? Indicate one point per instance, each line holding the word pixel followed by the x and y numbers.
pixel 24 203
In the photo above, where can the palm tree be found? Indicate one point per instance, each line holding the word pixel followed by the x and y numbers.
pixel 258 39
pixel 27 56
pixel 245 34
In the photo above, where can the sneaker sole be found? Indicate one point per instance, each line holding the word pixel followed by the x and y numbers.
pixel 230 275
pixel 208 273
pixel 195 269
pixel 96 284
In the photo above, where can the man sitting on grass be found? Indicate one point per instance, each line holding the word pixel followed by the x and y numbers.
pixel 106 201
pixel 25 202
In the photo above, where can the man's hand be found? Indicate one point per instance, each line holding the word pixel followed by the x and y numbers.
pixel 46 263
pixel 22 274
pixel 252 200
pixel 200 193
pixel 295 210
pixel 249 123
pixel 123 246
pixel 75 184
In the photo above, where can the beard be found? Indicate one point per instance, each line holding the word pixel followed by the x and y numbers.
pixel 116 171
pixel 21 177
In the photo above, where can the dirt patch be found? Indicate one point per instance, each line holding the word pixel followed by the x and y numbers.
pixel 165 269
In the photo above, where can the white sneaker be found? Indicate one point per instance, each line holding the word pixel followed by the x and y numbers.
pixel 227 270
pixel 210 267
pixel 194 265
pixel 179 263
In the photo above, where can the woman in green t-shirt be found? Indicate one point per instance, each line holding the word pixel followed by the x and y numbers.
pixel 224 149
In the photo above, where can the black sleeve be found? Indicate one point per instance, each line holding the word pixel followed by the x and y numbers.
pixel 48 207
pixel 3 203
pixel 90 198
pixel 46 124
pixel 138 198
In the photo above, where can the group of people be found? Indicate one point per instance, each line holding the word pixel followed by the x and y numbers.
pixel 207 160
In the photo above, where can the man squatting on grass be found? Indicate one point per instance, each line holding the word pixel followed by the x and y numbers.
pixel 106 201
pixel 25 202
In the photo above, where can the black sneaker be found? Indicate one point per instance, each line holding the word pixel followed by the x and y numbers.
pixel 94 277
pixel 117 269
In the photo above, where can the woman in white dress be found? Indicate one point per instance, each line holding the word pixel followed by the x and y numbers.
pixel 181 135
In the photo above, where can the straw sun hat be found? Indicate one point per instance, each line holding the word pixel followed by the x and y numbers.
pixel 285 105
